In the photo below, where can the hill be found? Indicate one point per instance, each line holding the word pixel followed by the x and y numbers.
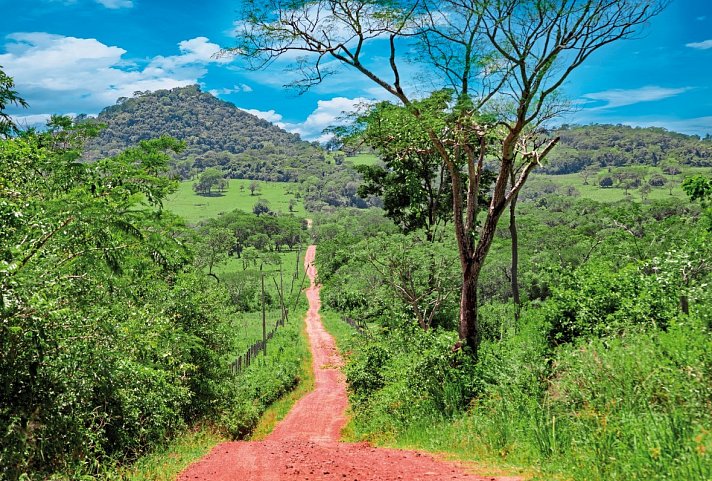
pixel 621 145
pixel 216 133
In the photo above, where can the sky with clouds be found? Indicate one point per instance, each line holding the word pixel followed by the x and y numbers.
pixel 78 56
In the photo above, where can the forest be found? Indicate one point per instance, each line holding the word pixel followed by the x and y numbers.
pixel 531 300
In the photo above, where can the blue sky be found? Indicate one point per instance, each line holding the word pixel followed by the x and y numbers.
pixel 78 56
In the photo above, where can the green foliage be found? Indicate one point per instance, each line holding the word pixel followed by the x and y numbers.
pixel 405 376
pixel 604 376
pixel 209 178
pixel 265 381
pixel 109 343
pixel 598 300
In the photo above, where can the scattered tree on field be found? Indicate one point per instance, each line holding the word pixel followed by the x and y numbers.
pixel 254 187
pixel 262 206
pixel 211 177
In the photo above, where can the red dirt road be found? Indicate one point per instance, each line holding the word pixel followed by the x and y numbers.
pixel 305 444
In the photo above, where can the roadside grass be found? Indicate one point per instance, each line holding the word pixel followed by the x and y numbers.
pixel 446 440
pixel 279 409
pixel 167 462
pixel 289 348
pixel 614 194
pixel 194 208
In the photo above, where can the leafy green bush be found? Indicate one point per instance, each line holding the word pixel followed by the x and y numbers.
pixel 599 300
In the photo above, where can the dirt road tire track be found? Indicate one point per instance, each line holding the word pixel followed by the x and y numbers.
pixel 305 444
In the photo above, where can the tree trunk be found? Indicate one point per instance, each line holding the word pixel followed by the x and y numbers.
pixel 469 326
pixel 515 257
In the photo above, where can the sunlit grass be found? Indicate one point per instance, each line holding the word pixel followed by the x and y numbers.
pixel 614 194
pixel 194 208
pixel 166 463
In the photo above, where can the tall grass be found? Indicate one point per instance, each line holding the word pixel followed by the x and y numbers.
pixel 633 407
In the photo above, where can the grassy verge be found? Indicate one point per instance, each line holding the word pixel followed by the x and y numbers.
pixel 445 439
pixel 166 463
pixel 279 409
pixel 264 396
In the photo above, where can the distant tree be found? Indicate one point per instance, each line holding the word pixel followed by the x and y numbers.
pixel 262 206
pixel 657 180
pixel 292 204
pixel 589 171
pixel 572 191
pixel 250 255
pixel 210 178
pixel 254 187
pixel 223 184
pixel 215 243
pixel 644 191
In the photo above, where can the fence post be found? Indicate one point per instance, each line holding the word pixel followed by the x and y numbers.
pixel 264 319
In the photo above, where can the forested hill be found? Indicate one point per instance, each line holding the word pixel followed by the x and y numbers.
pixel 619 145
pixel 216 134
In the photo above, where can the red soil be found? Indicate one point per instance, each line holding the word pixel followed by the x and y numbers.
pixel 305 445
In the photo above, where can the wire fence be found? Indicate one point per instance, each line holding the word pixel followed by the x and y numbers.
pixel 244 361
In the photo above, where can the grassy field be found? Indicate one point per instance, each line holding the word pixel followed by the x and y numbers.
pixel 363 159
pixel 613 194
pixel 194 208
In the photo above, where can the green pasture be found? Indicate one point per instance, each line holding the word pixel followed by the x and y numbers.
pixel 193 207
pixel 613 194
pixel 363 159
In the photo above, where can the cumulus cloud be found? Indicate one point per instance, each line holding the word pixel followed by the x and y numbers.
pixel 269 116
pixel 705 45
pixel 328 113
pixel 621 97
pixel 55 73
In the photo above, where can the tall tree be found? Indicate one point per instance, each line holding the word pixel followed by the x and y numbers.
pixel 504 56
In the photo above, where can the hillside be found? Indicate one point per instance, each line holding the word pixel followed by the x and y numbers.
pixel 621 145
pixel 216 134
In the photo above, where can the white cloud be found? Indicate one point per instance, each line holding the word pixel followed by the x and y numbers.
pixel 227 91
pixel 26 121
pixel 621 97
pixel 114 4
pixel 705 45
pixel 328 113
pixel 269 116
pixel 59 74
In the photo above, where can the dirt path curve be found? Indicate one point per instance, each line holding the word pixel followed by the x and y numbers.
pixel 305 444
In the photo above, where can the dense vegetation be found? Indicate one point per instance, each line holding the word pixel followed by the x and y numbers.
pixel 114 334
pixel 600 146
pixel 606 373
